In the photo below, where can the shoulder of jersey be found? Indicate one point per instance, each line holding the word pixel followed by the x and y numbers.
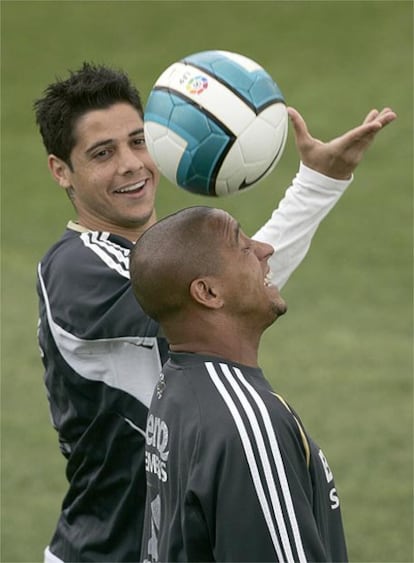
pixel 105 248
pixel 112 253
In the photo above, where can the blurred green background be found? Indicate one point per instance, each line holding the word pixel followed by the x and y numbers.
pixel 343 354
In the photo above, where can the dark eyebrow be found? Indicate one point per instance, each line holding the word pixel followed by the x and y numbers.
pixel 98 144
pixel 105 142
pixel 139 131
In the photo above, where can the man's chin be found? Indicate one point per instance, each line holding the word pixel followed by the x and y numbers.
pixel 283 309
pixel 145 219
pixel 279 308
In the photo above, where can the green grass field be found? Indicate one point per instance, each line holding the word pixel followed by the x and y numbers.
pixel 343 354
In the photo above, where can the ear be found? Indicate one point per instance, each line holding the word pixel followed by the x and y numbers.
pixel 205 292
pixel 60 171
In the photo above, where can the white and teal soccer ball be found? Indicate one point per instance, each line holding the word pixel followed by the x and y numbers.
pixel 215 123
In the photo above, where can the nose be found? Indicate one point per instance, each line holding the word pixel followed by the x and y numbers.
pixel 264 250
pixel 129 161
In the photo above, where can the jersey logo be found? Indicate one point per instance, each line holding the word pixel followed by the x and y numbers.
pixel 156 452
pixel 160 386
pixel 333 495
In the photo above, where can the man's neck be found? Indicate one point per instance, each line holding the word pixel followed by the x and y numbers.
pixel 130 233
pixel 245 358
pixel 233 343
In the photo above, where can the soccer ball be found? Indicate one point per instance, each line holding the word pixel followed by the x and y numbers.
pixel 215 123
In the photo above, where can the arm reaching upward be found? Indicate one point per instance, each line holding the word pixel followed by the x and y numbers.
pixel 325 172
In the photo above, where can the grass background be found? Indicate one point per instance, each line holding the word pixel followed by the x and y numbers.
pixel 343 354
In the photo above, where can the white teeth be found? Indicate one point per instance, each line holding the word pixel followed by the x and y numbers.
pixel 268 279
pixel 137 186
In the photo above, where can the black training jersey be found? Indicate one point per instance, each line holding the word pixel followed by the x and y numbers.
pixel 231 473
pixel 102 359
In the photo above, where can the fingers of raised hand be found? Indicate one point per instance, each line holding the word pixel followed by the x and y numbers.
pixel 385 116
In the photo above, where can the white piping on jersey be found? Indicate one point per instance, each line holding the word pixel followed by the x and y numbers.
pixel 115 256
pixel 277 457
pixel 263 453
pixel 50 557
pixel 249 455
pixel 134 426
pixel 263 457
pixel 112 361
pixel 304 439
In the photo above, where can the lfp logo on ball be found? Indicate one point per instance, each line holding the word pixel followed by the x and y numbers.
pixel 197 85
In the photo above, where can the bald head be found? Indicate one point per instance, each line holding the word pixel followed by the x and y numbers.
pixel 170 255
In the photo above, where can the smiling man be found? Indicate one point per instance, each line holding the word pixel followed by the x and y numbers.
pixel 232 474
pixel 101 353
pixel 110 176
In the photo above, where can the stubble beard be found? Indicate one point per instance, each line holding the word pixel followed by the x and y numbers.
pixel 279 308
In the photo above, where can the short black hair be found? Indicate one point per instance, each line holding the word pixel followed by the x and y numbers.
pixel 169 255
pixel 90 88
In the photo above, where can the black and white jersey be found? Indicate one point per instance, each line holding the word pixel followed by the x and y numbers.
pixel 231 473
pixel 102 357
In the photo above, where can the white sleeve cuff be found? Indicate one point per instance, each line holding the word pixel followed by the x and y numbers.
pixel 314 178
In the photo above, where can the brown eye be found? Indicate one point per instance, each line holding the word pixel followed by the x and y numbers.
pixel 140 142
pixel 102 154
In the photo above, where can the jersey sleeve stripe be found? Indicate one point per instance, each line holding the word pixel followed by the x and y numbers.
pixel 134 426
pixel 249 455
pixel 114 256
pixel 264 458
pixel 278 462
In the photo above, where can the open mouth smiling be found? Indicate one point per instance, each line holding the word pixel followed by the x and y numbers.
pixel 132 189
pixel 268 279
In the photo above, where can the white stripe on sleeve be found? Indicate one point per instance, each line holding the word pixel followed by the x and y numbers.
pixel 280 496
pixel 113 255
pixel 264 458
pixel 279 463
pixel 249 455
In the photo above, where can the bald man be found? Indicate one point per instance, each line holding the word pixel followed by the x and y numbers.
pixel 232 474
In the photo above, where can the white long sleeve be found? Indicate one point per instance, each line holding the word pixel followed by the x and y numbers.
pixel 292 225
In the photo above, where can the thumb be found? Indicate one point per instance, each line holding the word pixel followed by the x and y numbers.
pixel 300 128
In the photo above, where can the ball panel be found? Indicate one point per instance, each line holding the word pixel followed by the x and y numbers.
pixel 205 143
pixel 215 99
pixel 248 64
pixel 166 148
pixel 232 171
pixel 275 115
pixel 248 161
pixel 198 170
pixel 243 76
